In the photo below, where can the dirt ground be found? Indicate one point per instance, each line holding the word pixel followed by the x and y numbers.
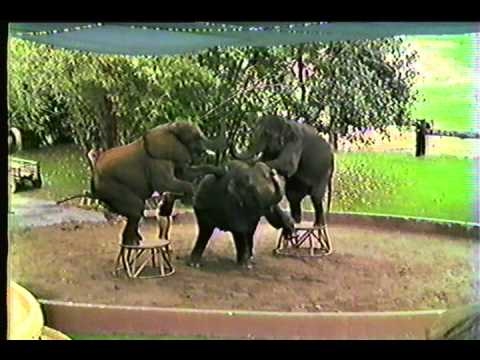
pixel 370 270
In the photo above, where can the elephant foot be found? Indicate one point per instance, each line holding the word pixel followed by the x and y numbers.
pixel 130 242
pixel 288 231
pixel 246 264
pixel 135 241
pixel 194 263
pixel 297 218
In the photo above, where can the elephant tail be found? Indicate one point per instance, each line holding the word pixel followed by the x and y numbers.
pixel 85 194
pixel 330 184
pixel 93 155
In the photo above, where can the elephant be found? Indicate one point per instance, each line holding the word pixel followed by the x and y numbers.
pixel 162 160
pixel 235 202
pixel 14 140
pixel 299 154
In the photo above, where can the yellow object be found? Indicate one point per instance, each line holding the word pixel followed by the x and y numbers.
pixel 25 318
pixel 52 334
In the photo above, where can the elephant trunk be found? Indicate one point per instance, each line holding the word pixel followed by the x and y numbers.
pixel 254 152
pixel 279 186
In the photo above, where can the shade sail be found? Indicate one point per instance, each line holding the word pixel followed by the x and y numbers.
pixel 158 39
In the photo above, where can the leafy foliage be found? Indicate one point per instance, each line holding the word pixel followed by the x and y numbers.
pixel 110 100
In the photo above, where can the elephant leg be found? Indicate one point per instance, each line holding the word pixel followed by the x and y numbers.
pixel 317 196
pixel 204 234
pixel 124 202
pixel 320 217
pixel 295 197
pixel 242 247
pixel 163 179
pixel 249 239
pixel 130 235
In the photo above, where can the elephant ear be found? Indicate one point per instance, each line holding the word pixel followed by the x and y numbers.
pixel 186 133
pixel 289 132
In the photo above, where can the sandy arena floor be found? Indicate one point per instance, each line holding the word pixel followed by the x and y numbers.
pixel 370 270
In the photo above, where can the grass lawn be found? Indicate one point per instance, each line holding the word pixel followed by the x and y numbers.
pixel 400 184
pixel 447 80
pixel 437 187
pixel 450 107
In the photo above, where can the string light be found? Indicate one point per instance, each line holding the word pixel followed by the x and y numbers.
pixel 57 31
pixel 206 27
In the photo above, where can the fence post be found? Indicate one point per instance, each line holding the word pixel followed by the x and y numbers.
pixel 421 127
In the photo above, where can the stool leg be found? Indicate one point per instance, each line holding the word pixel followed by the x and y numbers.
pixel 280 241
pixel 290 241
pixel 167 259
pixel 161 262
pixel 327 240
pixel 167 233
pixel 153 258
pixel 117 261
pixel 137 253
pixel 319 236
pixel 310 242
pixel 301 238
pixel 125 261
pixel 134 264
pixel 168 228
pixel 142 265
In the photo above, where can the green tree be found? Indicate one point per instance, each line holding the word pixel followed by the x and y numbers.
pixel 106 100
pixel 354 85
pixel 110 100
pixel 32 104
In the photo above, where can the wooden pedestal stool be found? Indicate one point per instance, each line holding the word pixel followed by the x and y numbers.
pixel 149 259
pixel 316 238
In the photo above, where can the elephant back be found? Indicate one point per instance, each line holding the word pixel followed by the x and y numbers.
pixel 206 189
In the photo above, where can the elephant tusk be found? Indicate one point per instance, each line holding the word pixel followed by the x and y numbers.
pixel 210 152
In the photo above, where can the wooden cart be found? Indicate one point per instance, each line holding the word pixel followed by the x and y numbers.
pixel 22 171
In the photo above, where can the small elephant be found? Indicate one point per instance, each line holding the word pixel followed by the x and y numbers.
pixel 235 202
pixel 162 160
pixel 297 152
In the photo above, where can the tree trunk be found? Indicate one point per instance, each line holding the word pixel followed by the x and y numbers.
pixel 333 138
pixel 110 125
pixel 301 80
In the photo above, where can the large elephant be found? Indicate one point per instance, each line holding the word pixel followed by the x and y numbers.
pixel 297 152
pixel 235 202
pixel 162 160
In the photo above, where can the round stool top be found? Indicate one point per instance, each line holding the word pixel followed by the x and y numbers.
pixel 305 228
pixel 147 244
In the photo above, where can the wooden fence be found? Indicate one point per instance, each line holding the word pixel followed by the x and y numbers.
pixel 424 129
